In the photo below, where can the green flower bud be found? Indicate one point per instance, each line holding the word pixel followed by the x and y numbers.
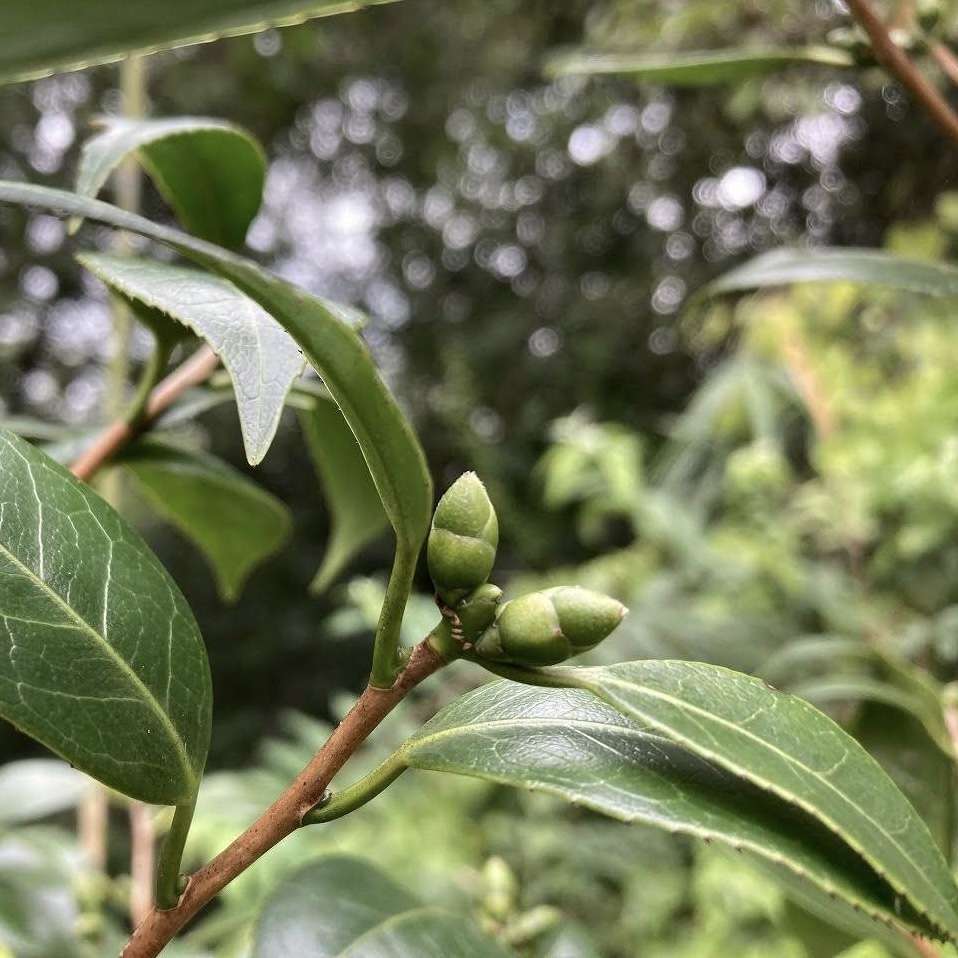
pixel 462 542
pixel 477 611
pixel 545 628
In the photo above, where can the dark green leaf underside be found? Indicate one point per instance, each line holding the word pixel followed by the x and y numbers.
pixel 236 524
pixel 570 744
pixel 39 37
pixel 100 657
pixel 697 68
pixel 211 172
pixel 342 907
pixel 869 267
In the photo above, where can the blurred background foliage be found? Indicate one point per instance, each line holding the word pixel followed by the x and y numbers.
pixel 770 484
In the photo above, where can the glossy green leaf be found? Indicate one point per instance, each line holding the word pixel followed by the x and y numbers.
pixel 696 68
pixel 39 37
pixel 342 907
pixel 38 787
pixel 355 510
pixel 260 356
pixel 235 524
pixel 571 744
pixel 869 267
pixel 782 744
pixel 100 657
pixel 326 335
pixel 209 171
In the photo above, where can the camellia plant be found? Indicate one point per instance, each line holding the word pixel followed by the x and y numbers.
pixel 105 665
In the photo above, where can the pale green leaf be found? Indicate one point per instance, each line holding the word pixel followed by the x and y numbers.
pixel 569 743
pixel 868 267
pixel 100 657
pixel 570 940
pixel 355 510
pixel 210 171
pixel 235 524
pixel 325 332
pixel 694 68
pixel 342 907
pixel 40 37
pixel 260 356
pixel 39 910
pixel 37 787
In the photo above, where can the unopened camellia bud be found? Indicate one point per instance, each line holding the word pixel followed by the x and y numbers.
pixel 477 611
pixel 545 628
pixel 462 542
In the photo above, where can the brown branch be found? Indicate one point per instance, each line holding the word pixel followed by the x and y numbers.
pixel 898 63
pixel 196 370
pixel 285 815
pixel 946 60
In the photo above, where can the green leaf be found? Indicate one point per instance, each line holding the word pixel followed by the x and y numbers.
pixel 211 172
pixel 568 743
pixel 356 512
pixel 326 335
pixel 696 68
pixel 915 762
pixel 782 744
pixel 260 356
pixel 38 787
pixel 570 940
pixel 40 37
pixel 866 266
pixel 100 657
pixel 339 906
pixel 235 524
pixel 39 912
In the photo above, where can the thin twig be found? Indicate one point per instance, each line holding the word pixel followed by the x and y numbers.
pixel 92 822
pixel 285 815
pixel 141 861
pixel 945 59
pixel 898 63
pixel 195 371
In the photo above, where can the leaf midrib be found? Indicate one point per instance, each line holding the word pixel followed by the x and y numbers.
pixel 124 666
pixel 787 796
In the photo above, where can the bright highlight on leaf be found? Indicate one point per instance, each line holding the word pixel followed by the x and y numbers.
pixel 340 906
pixel 235 524
pixel 40 37
pixel 100 657
pixel 700 68
pixel 209 171
pixel 260 356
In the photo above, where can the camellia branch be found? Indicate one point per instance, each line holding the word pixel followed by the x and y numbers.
pixel 898 63
pixel 195 371
pixel 286 814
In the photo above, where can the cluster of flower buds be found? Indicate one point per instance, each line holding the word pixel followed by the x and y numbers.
pixel 541 628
